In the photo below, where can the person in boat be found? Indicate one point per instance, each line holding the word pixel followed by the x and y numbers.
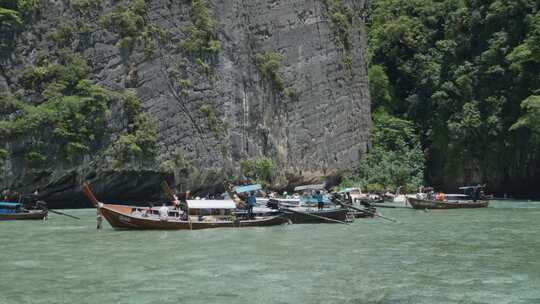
pixel 251 201
pixel 99 219
pixel 349 198
pixel 319 198
pixel 163 212
pixel 440 196
pixel 136 213
pixel 476 193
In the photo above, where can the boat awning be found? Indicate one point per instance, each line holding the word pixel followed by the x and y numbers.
pixel 9 205
pixel 248 188
pixel 211 204
pixel 310 187
pixel 349 190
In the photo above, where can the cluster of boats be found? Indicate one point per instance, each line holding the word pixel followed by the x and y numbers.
pixel 183 213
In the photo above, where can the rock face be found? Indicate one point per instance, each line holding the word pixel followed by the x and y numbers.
pixel 213 113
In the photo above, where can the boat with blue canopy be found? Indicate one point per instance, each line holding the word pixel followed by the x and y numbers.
pixel 8 207
pixel 14 211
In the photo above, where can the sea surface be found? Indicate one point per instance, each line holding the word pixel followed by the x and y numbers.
pixel 487 255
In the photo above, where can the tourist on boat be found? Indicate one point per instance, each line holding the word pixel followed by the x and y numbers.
pixel 349 198
pixel 319 198
pixel 99 219
pixel 163 212
pixel 439 196
pixel 251 200
pixel 476 193
pixel 136 213
pixel 431 195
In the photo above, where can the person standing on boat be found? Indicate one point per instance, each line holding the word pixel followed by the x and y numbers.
pixel 476 192
pixel 251 201
pixel 319 198
pixel 163 213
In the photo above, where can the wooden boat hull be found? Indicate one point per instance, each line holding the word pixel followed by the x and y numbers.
pixel 120 218
pixel 335 214
pixel 431 204
pixel 30 215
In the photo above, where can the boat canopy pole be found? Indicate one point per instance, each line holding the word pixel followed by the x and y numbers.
pixel 62 213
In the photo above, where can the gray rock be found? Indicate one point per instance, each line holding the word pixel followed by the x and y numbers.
pixel 321 131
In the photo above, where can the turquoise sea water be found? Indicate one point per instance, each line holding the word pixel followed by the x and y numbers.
pixel 460 256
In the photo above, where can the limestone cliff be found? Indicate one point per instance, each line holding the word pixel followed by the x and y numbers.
pixel 283 79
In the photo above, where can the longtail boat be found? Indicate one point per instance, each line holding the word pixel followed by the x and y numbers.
pixel 299 214
pixel 199 214
pixel 417 203
pixel 14 211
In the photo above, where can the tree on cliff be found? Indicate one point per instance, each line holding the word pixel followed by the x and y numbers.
pixel 464 72
pixel 396 159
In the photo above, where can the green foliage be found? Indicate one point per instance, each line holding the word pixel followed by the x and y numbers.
pixel 9 104
pixel 64 33
pixel 3 155
pixel 214 123
pixel 531 118
pixel 73 121
pixel 127 22
pixel 268 64
pixel 396 158
pixel 202 37
pixel 10 19
pixel 185 86
pixel 460 70
pixel 177 165
pixel 260 170
pixel 10 23
pixel 27 8
pixel 35 159
pixel 138 142
pixel 13 16
pixel 84 7
pixel 340 16
pixel 63 72
pixel 72 115
pixel 151 36
pixel 379 88
pixel 203 66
